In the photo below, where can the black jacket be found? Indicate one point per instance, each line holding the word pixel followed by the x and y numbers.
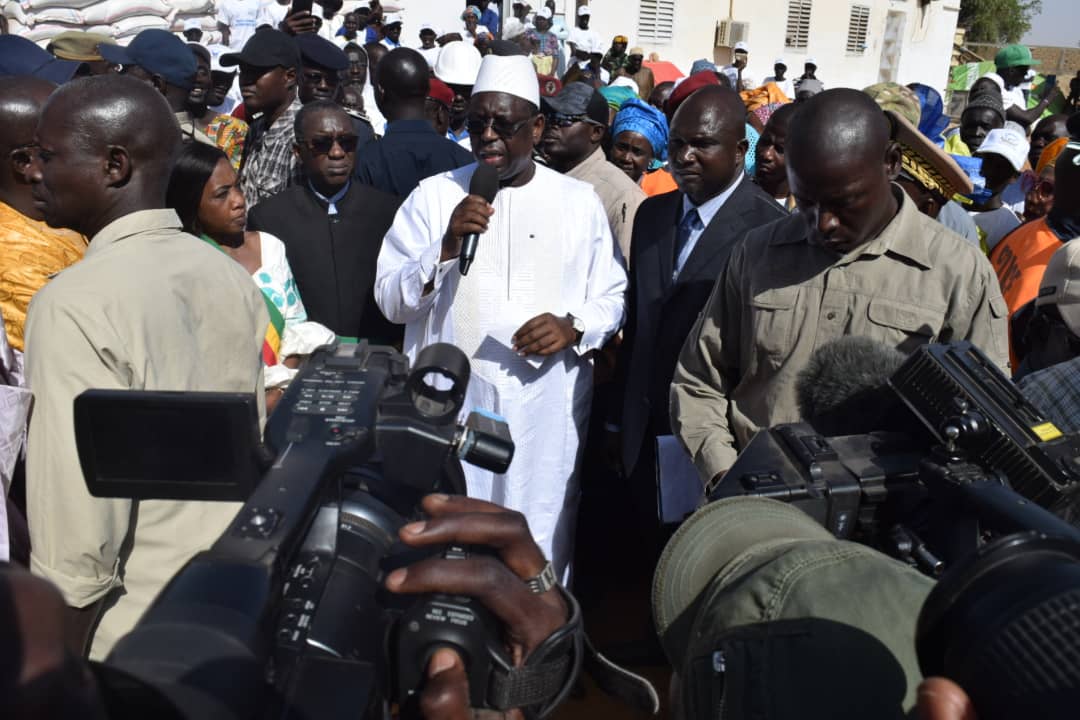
pixel 660 313
pixel 333 257
pixel 410 151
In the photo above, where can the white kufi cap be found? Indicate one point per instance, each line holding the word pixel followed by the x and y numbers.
pixel 514 75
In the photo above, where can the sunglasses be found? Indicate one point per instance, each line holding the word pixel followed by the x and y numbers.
pixel 1030 181
pixel 24 154
pixel 563 121
pixel 503 129
pixel 323 145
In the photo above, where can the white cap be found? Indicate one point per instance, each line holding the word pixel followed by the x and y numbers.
pixel 192 24
pixel 512 74
pixel 544 12
pixel 780 61
pixel 1009 143
pixel 810 61
pixel 429 26
pixel 741 47
pixel 512 28
pixel 458 63
pixel 391 18
pixel 584 10
pixel 1060 284
pixel 625 81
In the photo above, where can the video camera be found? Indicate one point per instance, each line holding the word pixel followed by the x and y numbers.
pixel 285 615
pixel 978 461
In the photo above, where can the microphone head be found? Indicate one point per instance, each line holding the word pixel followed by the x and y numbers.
pixel 843 389
pixel 485 182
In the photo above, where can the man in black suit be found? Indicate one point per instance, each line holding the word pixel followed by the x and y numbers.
pixel 680 245
pixel 332 227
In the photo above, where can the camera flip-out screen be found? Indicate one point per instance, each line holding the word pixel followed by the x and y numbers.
pixel 168 445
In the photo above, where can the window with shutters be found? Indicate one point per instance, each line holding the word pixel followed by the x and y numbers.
pixel 656 20
pixel 858 28
pixel 798 24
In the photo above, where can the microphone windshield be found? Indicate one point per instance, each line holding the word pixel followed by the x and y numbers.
pixel 485 182
pixel 843 390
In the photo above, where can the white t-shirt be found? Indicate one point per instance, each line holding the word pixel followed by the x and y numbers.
pixel 272 13
pixel 1013 96
pixel 241 17
pixel 430 54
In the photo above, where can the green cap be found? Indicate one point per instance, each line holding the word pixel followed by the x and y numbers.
pixel 1015 56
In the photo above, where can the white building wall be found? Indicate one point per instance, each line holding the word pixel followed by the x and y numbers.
pixel 925 54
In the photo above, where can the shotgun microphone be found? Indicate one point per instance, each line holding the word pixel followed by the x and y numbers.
pixel 485 183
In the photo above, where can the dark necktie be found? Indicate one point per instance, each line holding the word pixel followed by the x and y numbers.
pixel 690 222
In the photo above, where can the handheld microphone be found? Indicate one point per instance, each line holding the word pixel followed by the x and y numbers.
pixel 843 390
pixel 485 183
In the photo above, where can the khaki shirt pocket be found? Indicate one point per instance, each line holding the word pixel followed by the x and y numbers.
pixel 903 325
pixel 773 317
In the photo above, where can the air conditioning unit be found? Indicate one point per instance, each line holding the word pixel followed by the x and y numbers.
pixel 729 32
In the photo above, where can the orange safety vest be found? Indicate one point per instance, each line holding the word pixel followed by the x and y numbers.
pixel 1020 260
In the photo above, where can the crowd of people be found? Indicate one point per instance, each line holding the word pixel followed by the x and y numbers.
pixel 659 264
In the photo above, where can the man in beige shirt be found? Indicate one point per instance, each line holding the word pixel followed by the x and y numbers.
pixel 858 259
pixel 148 308
pixel 575 122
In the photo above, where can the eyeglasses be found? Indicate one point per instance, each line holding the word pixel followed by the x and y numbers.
pixel 323 145
pixel 1030 181
pixel 502 128
pixel 23 154
pixel 563 121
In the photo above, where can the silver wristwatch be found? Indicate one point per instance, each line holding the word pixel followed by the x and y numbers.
pixel 544 581
pixel 579 327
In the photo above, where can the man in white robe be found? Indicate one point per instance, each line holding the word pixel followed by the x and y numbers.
pixel 545 290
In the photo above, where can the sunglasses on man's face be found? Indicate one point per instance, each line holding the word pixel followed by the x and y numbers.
pixel 563 121
pixel 1030 181
pixel 324 144
pixel 504 129
pixel 23 155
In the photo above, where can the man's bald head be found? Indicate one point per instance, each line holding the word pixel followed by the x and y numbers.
pixel 707 142
pixel 21 100
pixel 401 85
pixel 837 128
pixel 107 145
pixel 112 110
pixel 715 105
pixel 840 165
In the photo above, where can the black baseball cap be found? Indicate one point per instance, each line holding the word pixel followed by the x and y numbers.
pixel 316 50
pixel 578 98
pixel 267 48
pixel 158 52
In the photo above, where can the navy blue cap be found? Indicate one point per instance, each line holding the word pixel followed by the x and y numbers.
pixel 267 48
pixel 158 52
pixel 19 56
pixel 317 50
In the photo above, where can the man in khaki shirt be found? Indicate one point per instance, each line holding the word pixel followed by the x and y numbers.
pixel 576 120
pixel 858 259
pixel 148 308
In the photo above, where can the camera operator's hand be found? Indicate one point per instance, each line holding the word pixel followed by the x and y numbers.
pixel 498 582
pixel 300 23
pixel 942 699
